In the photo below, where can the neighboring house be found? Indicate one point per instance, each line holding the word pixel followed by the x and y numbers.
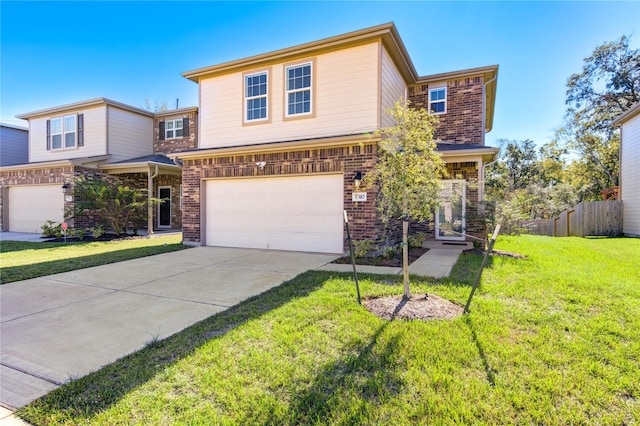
pixel 13 144
pixel 99 138
pixel 629 124
pixel 284 138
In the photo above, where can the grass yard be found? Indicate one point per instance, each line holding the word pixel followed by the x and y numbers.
pixel 24 260
pixel 551 339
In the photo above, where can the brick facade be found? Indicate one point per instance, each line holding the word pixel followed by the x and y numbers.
pixel 169 146
pixel 363 217
pixel 463 122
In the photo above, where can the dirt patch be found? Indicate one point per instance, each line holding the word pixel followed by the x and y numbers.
pixel 396 261
pixel 423 308
pixel 89 239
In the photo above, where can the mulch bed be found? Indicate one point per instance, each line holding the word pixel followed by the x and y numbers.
pixel 89 239
pixel 419 307
pixel 414 254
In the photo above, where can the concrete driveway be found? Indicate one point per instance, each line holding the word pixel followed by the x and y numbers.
pixel 60 327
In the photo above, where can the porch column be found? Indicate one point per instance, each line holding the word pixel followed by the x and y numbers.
pixel 150 177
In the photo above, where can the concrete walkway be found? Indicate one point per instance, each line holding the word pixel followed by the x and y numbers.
pixel 67 325
pixel 436 263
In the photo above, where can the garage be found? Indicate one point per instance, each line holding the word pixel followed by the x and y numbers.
pixel 298 213
pixel 29 207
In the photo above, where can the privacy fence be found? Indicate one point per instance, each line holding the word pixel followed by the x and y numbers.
pixel 589 218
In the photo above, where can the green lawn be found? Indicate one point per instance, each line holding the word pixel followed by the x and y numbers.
pixel 551 339
pixel 23 260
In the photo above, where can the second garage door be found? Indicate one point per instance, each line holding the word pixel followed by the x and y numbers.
pixel 31 206
pixel 300 213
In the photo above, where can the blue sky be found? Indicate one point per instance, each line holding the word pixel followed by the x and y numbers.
pixel 53 53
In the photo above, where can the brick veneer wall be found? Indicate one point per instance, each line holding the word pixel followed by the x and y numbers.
pixel 363 218
pixel 184 143
pixel 45 175
pixel 463 121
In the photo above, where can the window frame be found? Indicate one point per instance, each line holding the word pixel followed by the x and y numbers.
pixel 63 132
pixel 438 101
pixel 311 89
pixel 266 96
pixel 173 129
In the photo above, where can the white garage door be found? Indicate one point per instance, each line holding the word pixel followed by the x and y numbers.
pixel 301 213
pixel 31 206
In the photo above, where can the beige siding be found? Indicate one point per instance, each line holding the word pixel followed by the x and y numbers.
pixel 346 102
pixel 130 134
pixel 630 176
pixel 94 136
pixel 392 87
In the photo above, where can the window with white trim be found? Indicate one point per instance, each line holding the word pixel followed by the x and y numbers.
pixel 62 132
pixel 298 89
pixel 256 92
pixel 173 128
pixel 438 100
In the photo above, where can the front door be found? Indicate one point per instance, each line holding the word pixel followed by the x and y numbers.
pixel 450 215
pixel 164 208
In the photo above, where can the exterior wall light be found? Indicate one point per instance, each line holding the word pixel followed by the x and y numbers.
pixel 357 179
pixel 65 188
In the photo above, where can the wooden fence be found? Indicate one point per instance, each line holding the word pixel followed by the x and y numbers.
pixel 589 218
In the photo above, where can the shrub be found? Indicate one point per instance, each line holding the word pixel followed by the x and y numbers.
pixel 97 231
pixel 50 230
pixel 416 240
pixel 389 252
pixel 362 247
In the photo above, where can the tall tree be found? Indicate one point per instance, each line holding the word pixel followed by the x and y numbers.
pixel 408 172
pixel 608 85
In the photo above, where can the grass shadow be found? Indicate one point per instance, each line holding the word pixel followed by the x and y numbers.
pixel 369 375
pixel 35 270
pixel 490 372
pixel 97 391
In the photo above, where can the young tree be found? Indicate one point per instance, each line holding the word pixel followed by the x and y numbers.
pixel 408 172
pixel 115 204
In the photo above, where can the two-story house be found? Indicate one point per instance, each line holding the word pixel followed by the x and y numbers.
pixel 100 138
pixel 285 138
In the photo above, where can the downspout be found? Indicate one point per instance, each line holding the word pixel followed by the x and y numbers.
pixel 149 196
pixel 484 106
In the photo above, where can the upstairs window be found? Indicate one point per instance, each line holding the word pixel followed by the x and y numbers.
pixel 65 132
pixel 173 128
pixel 298 89
pixel 438 100
pixel 256 91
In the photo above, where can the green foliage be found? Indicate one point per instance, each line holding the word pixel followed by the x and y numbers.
pixel 97 231
pixel 117 205
pixel 607 86
pixel 362 247
pixel 416 239
pixel 51 229
pixel 409 169
pixel 390 252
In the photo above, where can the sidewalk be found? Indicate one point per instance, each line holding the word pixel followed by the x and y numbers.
pixel 436 263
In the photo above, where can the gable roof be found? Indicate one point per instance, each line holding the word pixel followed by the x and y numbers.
pixel 391 40
pixel 387 32
pixel 627 115
pixel 84 104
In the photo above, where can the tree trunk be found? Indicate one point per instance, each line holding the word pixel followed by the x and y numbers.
pixel 405 258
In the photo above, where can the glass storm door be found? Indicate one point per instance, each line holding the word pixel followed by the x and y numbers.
pixel 164 209
pixel 450 215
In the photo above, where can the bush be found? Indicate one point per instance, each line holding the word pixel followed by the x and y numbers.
pixel 96 231
pixel 416 240
pixel 362 247
pixel 389 252
pixel 50 230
